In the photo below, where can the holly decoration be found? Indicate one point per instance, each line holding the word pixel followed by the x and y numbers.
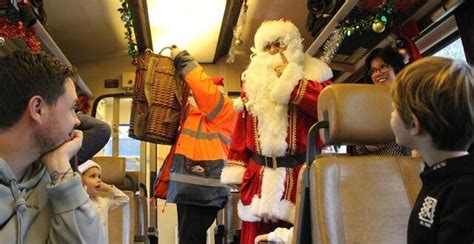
pixel 11 30
pixel 126 17
pixel 375 22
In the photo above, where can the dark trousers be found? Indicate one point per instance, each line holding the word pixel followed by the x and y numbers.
pixel 193 222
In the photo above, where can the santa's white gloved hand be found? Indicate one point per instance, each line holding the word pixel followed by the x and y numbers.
pixel 260 238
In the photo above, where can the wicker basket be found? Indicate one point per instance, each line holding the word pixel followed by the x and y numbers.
pixel 159 96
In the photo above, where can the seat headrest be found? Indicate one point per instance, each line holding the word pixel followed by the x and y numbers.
pixel 357 114
pixel 113 169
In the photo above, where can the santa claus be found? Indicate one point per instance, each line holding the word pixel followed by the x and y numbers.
pixel 277 107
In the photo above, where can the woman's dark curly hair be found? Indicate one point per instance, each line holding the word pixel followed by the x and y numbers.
pixel 389 55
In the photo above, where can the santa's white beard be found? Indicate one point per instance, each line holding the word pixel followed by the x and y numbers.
pixel 260 78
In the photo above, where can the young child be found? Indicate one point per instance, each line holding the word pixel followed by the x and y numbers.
pixel 433 112
pixel 105 197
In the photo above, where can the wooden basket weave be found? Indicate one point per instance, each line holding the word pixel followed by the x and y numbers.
pixel 159 96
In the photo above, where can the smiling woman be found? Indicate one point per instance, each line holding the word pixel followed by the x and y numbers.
pixel 382 64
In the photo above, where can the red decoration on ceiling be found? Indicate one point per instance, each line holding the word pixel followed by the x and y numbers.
pixel 375 5
pixel 406 34
pixel 82 104
pixel 11 30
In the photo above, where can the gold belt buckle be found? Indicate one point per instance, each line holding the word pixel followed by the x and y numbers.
pixel 274 162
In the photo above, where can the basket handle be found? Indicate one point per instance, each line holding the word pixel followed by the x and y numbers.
pixel 164 49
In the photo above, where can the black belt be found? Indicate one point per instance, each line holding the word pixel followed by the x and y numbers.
pixel 275 162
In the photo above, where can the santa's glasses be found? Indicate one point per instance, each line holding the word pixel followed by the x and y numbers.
pixel 275 46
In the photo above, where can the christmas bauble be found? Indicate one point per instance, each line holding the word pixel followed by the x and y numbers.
pixel 2 41
pixel 378 26
pixel 238 42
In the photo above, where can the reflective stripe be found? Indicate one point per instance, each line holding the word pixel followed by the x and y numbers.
pixel 196 180
pixel 209 137
pixel 217 109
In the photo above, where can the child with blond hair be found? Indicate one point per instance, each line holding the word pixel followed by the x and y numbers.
pixel 433 112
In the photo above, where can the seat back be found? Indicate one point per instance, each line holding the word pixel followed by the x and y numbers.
pixel 358 199
pixel 366 199
pixel 113 170
pixel 121 221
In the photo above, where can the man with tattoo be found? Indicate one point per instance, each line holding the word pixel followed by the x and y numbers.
pixel 42 199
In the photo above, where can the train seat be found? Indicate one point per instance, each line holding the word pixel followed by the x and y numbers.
pixel 355 199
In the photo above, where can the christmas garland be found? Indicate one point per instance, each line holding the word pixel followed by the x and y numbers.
pixel 377 23
pixel 356 26
pixel 11 30
pixel 237 33
pixel 126 17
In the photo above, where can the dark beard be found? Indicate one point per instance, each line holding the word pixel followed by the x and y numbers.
pixel 45 140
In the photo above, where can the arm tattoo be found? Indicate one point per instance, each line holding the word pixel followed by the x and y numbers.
pixel 58 177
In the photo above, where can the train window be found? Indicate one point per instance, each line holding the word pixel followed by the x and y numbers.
pixel 454 50
pixel 115 110
pixel 127 147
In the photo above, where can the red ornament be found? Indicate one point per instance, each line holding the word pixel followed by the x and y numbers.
pixel 82 104
pixel 11 30
pixel 375 5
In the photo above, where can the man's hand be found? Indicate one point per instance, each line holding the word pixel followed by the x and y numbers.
pixel 58 159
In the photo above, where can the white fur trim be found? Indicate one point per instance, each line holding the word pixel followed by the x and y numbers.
pixel 273 187
pixel 245 214
pixel 249 213
pixel 272 30
pixel 270 206
pixel 281 92
pixel 238 104
pixel 232 175
pixel 315 69
pixel 287 211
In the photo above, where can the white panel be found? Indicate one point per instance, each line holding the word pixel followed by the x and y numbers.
pixel 128 79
